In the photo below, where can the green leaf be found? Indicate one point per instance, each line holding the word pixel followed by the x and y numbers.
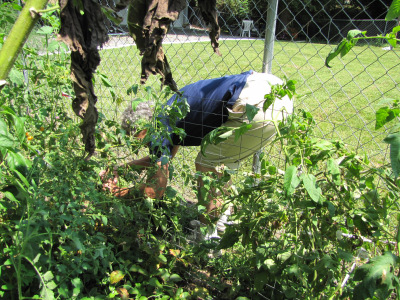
pixel 53 46
pixel 251 111
pixel 353 33
pixel 19 124
pixel 394 11
pixel 162 259
pixel 3 127
pixel 116 276
pixel 393 140
pixel 111 15
pixel 105 80
pixel 77 242
pixel 133 89
pixel 136 102
pixel 323 144
pixel 215 137
pixel 138 269
pixel 45 30
pixel 376 275
pixel 16 77
pixel 269 99
pixel 344 47
pixel 310 184
pixel 241 130
pixel 6 142
pixel 175 278
pixel 334 169
pixel 260 279
pixel 291 180
pixel 48 276
pixel 230 238
pixel 335 52
pixel 385 115
pixel 154 282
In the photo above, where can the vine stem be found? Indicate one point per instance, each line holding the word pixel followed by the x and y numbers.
pixel 18 36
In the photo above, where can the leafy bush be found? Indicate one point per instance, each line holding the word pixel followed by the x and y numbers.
pixel 321 223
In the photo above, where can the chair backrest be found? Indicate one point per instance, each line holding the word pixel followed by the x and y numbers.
pixel 247 24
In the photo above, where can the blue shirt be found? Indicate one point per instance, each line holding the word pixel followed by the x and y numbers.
pixel 208 101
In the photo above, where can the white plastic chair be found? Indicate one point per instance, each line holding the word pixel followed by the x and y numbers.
pixel 247 25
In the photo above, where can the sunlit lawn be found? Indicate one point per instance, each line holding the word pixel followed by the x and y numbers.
pixel 343 99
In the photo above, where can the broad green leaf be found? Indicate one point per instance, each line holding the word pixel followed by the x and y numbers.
pixel 385 115
pixel 344 47
pixel 6 141
pixel 310 184
pixel 154 282
pixel 393 140
pixel 77 282
pixel 3 127
pixel 335 52
pixel 291 180
pixel 48 276
pixel 376 274
pixel 77 242
pixel 51 285
pixel 175 278
pixel 353 33
pixel 333 169
pixel 269 99
pixel 251 111
pixel 230 238
pixel 394 11
pixel 16 77
pixel 16 161
pixel 291 85
pixel 116 276
pixel 322 144
pixel 260 279
pixel 19 124
pixel 162 259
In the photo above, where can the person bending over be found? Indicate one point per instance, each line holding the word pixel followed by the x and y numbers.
pixel 213 103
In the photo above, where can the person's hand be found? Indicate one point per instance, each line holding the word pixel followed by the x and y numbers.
pixel 109 183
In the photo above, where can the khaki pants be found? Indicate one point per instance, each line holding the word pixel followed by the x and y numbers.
pixel 229 153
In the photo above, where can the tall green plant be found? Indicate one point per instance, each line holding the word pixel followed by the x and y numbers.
pixel 18 35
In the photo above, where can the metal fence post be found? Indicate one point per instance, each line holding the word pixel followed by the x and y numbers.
pixel 270 36
pixel 270 28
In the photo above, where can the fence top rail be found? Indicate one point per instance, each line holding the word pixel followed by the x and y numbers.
pixel 369 20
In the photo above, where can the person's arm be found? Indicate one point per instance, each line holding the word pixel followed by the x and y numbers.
pixel 155 185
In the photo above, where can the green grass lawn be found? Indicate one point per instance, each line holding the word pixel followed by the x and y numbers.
pixel 343 99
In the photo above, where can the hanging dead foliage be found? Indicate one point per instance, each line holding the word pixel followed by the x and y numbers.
pixel 83 30
pixel 149 21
